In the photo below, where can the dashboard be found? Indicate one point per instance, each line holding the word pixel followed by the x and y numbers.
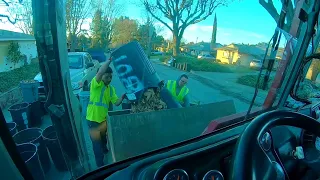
pixel 211 157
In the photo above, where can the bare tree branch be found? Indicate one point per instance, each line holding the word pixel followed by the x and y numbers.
pixel 23 14
pixel 149 8
pixel 269 6
pixel 182 13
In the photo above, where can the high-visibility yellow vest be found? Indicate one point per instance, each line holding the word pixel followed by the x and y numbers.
pixel 171 86
pixel 100 98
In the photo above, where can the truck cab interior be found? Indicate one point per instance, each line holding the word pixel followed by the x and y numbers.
pixel 277 140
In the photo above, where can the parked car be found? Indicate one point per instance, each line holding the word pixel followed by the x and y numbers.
pixel 171 61
pixel 82 70
pixel 256 64
pixel 156 53
pixel 206 56
pixel 98 54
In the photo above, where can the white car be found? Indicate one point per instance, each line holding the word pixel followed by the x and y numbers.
pixel 82 70
pixel 205 56
pixel 156 53
pixel 256 64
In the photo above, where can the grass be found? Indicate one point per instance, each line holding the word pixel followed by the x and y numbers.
pixel 241 69
pixel 13 78
pixel 251 80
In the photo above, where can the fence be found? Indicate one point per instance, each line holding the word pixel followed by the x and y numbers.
pixel 182 66
pixel 10 97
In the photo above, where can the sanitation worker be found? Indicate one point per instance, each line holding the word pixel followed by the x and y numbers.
pixel 101 95
pixel 179 90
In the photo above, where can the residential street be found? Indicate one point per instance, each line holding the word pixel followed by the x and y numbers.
pixel 201 89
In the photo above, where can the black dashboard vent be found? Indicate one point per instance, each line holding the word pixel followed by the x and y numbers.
pixel 307 139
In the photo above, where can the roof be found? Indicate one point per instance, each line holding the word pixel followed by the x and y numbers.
pixel 15 36
pixel 244 49
pixel 202 46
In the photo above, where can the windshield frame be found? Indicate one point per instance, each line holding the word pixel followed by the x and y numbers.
pixel 66 101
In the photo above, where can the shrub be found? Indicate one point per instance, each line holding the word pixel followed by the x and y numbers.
pixel 251 80
pixel 12 78
pixel 14 54
pixel 202 65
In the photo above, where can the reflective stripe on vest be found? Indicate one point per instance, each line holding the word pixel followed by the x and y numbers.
pixel 100 103
pixel 171 86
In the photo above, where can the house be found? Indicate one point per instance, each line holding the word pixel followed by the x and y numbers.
pixel 199 48
pixel 239 54
pixel 27 45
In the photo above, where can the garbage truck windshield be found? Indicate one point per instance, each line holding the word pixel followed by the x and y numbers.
pixel 174 70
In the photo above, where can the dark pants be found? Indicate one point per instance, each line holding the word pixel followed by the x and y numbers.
pixel 98 146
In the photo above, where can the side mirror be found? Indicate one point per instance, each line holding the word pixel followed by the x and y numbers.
pixel 89 65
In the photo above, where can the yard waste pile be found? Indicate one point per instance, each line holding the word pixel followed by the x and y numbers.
pixel 144 89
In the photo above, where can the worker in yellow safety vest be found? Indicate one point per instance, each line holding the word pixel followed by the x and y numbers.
pixel 101 95
pixel 179 90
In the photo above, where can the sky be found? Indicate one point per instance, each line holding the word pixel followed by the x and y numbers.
pixel 242 21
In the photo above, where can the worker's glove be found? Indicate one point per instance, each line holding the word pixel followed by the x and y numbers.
pixel 124 96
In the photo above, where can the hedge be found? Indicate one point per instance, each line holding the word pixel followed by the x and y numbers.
pixel 12 78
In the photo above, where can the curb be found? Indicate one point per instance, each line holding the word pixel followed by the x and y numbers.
pixel 224 90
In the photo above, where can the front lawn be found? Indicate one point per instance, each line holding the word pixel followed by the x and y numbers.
pixel 251 80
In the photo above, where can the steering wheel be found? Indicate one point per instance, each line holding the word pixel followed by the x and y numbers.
pixel 254 156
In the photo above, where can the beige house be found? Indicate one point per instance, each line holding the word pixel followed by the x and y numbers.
pixel 27 47
pixel 239 54
pixel 199 48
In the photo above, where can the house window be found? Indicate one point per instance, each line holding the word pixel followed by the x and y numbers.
pixel 226 54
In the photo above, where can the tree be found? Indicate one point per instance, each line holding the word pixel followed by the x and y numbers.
pixel 23 13
pixel 158 41
pixel 125 30
pixel 14 53
pixel 269 6
pixel 181 14
pixel 143 35
pixel 101 30
pixel 76 13
pixel 83 41
pixel 102 22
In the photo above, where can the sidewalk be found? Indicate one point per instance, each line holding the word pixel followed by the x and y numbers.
pixel 226 83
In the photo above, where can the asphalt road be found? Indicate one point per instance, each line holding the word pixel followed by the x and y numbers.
pixel 199 91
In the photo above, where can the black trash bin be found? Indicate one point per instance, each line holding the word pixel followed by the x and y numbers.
pixel 51 140
pixel 19 114
pixel 12 126
pixel 29 154
pixel 35 114
pixel 34 136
